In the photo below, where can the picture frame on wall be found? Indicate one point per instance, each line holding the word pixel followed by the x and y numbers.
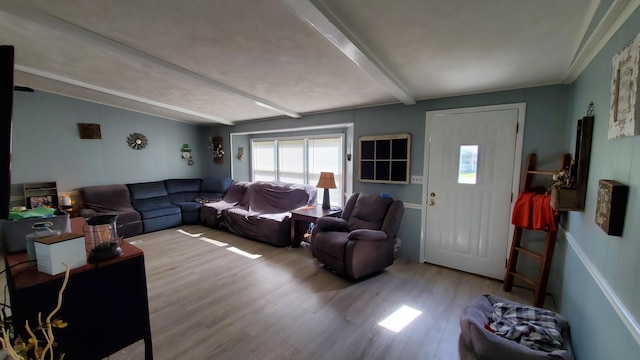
pixel 41 201
pixel 624 118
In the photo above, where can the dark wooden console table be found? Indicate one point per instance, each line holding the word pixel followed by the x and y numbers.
pixel 105 305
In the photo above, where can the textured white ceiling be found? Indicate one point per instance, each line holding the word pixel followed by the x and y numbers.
pixel 210 61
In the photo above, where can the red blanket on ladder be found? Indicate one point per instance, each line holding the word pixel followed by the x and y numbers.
pixel 533 211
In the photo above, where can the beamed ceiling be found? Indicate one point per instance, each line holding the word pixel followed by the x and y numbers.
pixel 222 62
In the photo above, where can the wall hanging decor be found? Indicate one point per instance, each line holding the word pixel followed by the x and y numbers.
pixel 185 154
pixel 569 189
pixel 89 131
pixel 579 169
pixel 186 151
pixel 137 141
pixel 623 120
pixel 385 159
pixel 240 153
pixel 611 205
pixel 215 144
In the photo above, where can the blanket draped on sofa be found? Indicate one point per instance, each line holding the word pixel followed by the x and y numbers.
pixel 263 214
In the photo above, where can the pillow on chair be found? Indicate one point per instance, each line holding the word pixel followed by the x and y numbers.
pixel 369 212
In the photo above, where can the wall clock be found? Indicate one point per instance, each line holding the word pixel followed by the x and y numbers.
pixel 137 141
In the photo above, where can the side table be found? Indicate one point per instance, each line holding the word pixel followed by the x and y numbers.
pixel 308 214
pixel 105 304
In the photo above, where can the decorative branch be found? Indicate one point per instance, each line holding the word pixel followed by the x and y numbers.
pixel 46 328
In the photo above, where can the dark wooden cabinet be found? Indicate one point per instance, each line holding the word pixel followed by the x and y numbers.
pixel 105 304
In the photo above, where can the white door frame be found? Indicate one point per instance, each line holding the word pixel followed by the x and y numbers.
pixel 517 165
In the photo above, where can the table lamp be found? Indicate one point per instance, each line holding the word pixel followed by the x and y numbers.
pixel 326 182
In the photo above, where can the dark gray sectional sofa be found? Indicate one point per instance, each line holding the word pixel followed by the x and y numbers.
pixel 256 210
pixel 152 206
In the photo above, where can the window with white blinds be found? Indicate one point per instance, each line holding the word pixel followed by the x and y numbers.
pixel 299 161
pixel 264 164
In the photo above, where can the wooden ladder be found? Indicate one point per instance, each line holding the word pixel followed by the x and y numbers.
pixel 540 282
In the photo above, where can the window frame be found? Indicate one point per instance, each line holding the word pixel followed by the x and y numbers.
pixel 305 138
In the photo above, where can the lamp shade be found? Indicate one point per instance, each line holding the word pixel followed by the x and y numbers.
pixel 327 181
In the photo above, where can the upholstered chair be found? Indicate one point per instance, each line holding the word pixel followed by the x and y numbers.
pixel 360 242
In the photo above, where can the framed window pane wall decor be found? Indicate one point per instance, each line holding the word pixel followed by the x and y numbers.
pixel 385 159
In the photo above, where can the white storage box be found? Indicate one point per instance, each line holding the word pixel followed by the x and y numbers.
pixel 52 251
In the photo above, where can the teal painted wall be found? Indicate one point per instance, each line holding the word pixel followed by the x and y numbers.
pixel 545 133
pixel 598 332
pixel 47 144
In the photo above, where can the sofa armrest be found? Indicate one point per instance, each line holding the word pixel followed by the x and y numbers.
pixel 97 208
pixel 86 213
pixel 332 224
pixel 367 234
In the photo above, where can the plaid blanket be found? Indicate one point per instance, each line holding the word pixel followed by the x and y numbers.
pixel 530 326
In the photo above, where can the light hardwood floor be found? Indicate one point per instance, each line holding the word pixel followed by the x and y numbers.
pixel 208 302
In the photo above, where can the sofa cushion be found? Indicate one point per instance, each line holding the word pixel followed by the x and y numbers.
pixel 236 192
pixel 151 200
pixel 272 228
pixel 215 185
pixel 369 212
pixel 152 203
pixel 329 249
pixel 106 197
pixel 189 206
pixel 112 199
pixel 147 190
pixel 182 185
pixel 181 190
pixel 154 212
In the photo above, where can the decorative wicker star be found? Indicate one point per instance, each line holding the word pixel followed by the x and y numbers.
pixel 137 141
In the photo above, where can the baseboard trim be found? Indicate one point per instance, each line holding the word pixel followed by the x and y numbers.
pixel 626 317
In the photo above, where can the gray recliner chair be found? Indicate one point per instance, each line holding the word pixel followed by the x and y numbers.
pixel 360 242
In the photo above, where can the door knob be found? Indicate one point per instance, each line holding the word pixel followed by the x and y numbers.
pixel 431 202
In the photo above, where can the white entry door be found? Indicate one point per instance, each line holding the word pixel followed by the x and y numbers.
pixel 472 155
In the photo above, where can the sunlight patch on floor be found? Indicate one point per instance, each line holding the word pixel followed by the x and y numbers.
pixel 244 253
pixel 188 233
pixel 400 318
pixel 219 244
pixel 212 241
